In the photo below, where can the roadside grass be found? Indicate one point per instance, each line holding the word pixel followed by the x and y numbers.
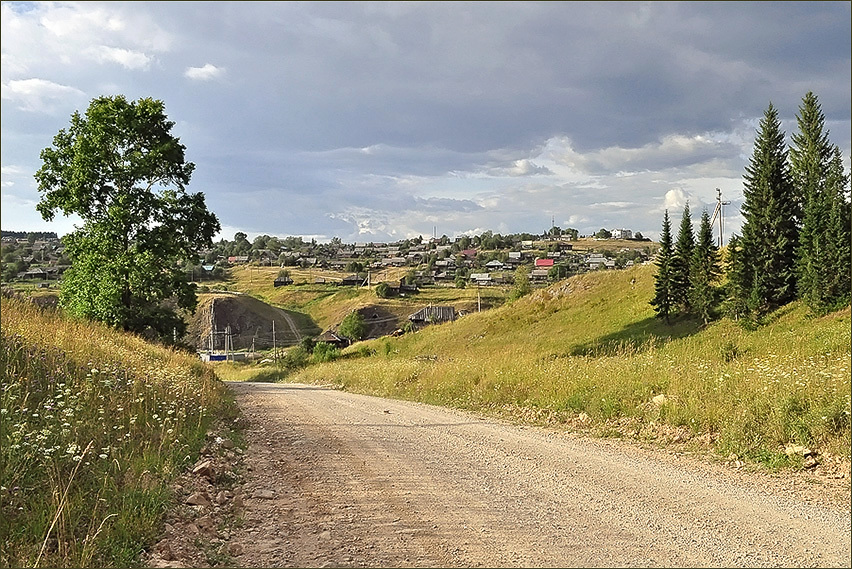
pixel 589 351
pixel 94 424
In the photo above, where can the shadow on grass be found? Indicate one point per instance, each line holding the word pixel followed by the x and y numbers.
pixel 636 338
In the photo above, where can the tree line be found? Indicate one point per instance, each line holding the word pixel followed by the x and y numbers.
pixel 794 242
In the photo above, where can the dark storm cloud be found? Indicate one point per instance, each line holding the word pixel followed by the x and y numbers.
pixel 313 118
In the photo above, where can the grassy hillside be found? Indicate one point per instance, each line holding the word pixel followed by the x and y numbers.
pixel 588 351
pixel 94 424
pixel 251 322
pixel 328 304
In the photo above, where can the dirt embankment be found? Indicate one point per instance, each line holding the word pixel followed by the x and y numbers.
pixel 247 321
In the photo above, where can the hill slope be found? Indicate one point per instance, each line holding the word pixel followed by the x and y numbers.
pixel 589 351
pixel 251 321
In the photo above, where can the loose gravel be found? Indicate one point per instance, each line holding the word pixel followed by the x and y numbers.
pixel 339 479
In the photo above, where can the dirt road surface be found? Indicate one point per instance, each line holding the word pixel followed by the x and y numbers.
pixel 338 479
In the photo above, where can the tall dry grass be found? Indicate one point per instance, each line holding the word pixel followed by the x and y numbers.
pixel 590 346
pixel 94 424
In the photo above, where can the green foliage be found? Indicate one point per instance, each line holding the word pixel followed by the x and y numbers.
pixel 383 290
pixel 704 272
pixel 522 283
pixel 764 267
pixel 353 326
pixel 119 168
pixel 308 344
pixel 664 298
pixel 822 256
pixel 324 352
pixel 681 262
pixel 603 233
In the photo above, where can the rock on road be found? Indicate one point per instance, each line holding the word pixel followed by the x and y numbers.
pixel 339 479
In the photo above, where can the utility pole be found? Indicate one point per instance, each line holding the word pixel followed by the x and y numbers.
pixel 274 349
pixel 719 211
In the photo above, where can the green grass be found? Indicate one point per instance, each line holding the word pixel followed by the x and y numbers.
pixel 591 345
pixel 328 304
pixel 94 424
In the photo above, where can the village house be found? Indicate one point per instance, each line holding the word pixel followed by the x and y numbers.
pixel 481 278
pixel 433 315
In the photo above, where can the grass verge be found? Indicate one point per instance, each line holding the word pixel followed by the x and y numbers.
pixel 94 424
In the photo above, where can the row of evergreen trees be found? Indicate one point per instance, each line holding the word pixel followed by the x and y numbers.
pixel 795 240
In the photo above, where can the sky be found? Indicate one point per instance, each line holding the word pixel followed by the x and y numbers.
pixel 391 120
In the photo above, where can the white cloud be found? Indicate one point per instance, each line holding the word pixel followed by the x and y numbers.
pixel 127 58
pixel 206 73
pixel 522 167
pixel 675 199
pixel 53 38
pixel 40 95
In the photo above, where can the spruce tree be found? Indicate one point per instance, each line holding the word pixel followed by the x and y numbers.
pixel 838 267
pixel 663 301
pixel 765 268
pixel 820 183
pixel 704 272
pixel 681 261
pixel 737 287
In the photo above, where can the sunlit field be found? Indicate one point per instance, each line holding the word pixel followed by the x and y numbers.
pixel 588 351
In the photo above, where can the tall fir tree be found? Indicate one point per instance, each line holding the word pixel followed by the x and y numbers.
pixel 681 261
pixel 737 286
pixel 663 301
pixel 704 272
pixel 765 269
pixel 820 184
pixel 838 267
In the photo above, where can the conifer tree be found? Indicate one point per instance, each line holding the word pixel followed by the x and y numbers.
pixel 737 287
pixel 838 267
pixel 810 158
pixel 704 271
pixel 765 269
pixel 681 261
pixel 663 301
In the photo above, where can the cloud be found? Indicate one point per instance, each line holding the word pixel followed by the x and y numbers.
pixel 675 200
pixel 61 39
pixel 205 73
pixel 40 95
pixel 127 58
pixel 518 168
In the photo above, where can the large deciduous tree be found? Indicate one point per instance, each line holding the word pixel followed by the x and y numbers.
pixel 119 168
pixel 764 265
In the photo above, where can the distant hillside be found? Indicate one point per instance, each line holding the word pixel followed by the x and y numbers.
pixel 588 351
pixel 251 322
pixel 24 234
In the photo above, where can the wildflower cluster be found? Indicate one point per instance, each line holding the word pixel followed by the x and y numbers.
pixel 87 420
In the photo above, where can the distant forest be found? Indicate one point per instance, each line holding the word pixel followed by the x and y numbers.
pixel 26 234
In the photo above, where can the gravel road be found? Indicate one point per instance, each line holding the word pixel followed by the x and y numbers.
pixel 338 479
